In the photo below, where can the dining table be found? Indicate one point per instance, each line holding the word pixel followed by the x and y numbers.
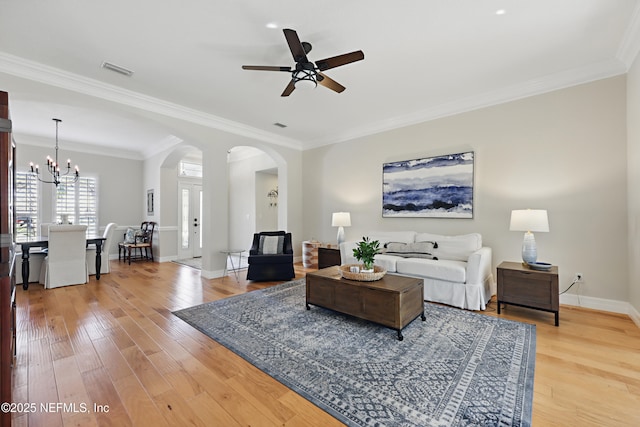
pixel 43 242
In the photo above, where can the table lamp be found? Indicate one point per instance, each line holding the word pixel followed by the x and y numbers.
pixel 341 220
pixel 529 220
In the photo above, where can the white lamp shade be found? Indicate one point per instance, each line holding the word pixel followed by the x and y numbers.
pixel 341 219
pixel 529 220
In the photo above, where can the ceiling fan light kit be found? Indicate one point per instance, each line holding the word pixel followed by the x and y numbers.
pixel 306 74
pixel 305 79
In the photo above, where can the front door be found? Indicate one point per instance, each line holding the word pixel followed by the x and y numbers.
pixel 190 206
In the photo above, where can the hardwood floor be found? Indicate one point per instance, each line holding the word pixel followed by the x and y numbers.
pixel 115 344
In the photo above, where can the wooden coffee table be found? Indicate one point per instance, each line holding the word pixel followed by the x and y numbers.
pixel 393 301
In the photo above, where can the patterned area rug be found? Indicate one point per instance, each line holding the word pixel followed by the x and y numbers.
pixel 458 368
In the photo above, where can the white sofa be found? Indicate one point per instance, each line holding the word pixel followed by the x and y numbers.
pixel 461 276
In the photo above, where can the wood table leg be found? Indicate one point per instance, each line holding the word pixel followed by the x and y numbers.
pixel 98 258
pixel 25 269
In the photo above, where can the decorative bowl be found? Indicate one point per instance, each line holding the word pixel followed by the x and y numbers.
pixel 542 266
pixel 378 273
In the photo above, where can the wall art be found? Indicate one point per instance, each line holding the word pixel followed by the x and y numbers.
pixel 150 202
pixel 433 187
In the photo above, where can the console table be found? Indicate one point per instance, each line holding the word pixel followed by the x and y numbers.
pixel 522 286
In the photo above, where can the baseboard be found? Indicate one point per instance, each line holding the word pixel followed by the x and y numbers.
pixel 635 315
pixel 613 306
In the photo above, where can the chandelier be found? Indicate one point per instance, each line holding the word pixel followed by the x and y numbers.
pixel 53 166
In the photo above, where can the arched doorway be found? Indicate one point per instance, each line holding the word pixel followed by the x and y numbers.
pixel 253 194
pixel 228 202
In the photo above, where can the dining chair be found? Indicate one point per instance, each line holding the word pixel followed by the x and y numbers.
pixel 141 239
pixel 36 261
pixel 36 258
pixel 108 234
pixel 66 262
pixel 44 229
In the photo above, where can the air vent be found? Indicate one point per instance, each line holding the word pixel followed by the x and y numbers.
pixel 118 69
pixel 280 125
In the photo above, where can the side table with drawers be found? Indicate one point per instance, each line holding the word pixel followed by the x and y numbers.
pixel 525 287
pixel 319 255
pixel 328 256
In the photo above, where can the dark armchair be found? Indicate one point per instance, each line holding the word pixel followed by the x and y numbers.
pixel 271 257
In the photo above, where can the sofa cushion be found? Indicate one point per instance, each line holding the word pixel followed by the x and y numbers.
pixel 457 248
pixel 410 250
pixel 388 262
pixel 385 237
pixel 448 270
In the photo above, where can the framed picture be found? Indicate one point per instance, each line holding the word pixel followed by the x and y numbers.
pixel 432 187
pixel 150 202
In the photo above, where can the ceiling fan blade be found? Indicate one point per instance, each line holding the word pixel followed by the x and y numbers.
pixel 336 61
pixel 265 68
pixel 295 46
pixel 330 83
pixel 290 87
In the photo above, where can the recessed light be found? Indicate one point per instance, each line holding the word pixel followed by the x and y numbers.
pixel 272 25
pixel 500 12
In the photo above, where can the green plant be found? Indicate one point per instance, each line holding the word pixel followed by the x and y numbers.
pixel 365 251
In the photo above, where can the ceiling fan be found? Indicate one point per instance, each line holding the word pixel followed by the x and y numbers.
pixel 306 72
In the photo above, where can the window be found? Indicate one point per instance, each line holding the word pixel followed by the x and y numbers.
pixel 77 203
pixel 26 205
pixel 190 169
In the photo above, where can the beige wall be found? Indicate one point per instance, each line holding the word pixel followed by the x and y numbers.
pixel 119 180
pixel 119 183
pixel 564 151
pixel 633 156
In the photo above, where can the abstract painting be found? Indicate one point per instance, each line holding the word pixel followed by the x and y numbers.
pixel 433 187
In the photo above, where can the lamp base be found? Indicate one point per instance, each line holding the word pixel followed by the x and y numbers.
pixel 340 234
pixel 529 249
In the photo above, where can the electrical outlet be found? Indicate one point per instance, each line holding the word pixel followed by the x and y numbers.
pixel 578 277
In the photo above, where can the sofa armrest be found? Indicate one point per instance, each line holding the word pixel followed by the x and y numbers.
pixel 346 252
pixel 479 266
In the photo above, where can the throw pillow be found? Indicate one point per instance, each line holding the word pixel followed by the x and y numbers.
pixel 455 248
pixel 270 245
pixel 412 250
pixel 130 236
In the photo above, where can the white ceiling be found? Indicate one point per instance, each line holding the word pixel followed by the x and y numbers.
pixel 423 59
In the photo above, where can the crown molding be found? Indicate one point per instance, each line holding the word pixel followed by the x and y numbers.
pixel 561 80
pixel 630 44
pixel 79 147
pixel 30 70
pixel 35 71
